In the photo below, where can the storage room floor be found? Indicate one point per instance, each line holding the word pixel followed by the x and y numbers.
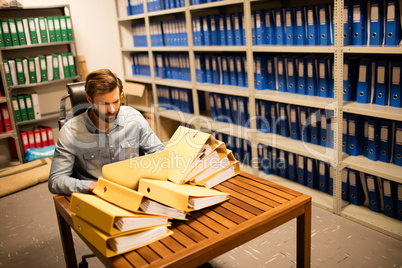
pixel 29 237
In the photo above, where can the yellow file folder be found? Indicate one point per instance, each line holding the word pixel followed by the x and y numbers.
pixel 176 195
pixel 216 155
pixel 103 214
pixel 100 240
pixel 128 172
pixel 118 195
pixel 187 147
pixel 221 171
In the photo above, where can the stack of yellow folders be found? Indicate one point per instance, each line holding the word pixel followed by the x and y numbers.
pixel 198 158
pixel 111 229
pixel 134 198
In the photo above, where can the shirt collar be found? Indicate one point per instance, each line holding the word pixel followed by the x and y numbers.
pixel 93 129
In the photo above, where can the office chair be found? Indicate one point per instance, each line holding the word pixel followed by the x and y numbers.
pixel 78 99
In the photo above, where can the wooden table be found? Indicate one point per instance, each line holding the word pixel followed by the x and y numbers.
pixel 255 207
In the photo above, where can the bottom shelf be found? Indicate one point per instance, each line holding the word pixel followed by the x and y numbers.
pixel 360 214
pixel 374 220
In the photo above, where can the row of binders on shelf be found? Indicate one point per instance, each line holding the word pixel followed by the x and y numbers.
pixel 5 122
pixel 26 107
pixel 302 75
pixel 378 81
pixel 134 7
pixel 37 138
pixel 38 30
pixel 168 33
pixel 357 188
pixel 25 71
pixel 380 195
pixel 297 122
pixel 180 99
pixel 304 25
pixel 172 66
pixel 230 109
pixel 198 2
pixel 374 23
pixel 157 5
pixel 134 204
pixel 375 138
pixel 140 64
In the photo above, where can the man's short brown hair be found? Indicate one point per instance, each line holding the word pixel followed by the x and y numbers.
pixel 102 81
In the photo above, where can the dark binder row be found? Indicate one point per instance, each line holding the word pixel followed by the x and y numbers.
pixel 358 188
pixel 378 81
pixel 178 99
pixel 169 33
pixel 25 71
pixel 311 125
pixel 172 66
pixel 28 31
pixel 375 138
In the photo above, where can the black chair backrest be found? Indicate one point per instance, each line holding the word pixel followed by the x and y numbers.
pixel 78 100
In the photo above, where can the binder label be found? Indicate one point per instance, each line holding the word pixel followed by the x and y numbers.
pixel 362 73
pixel 374 13
pixel 387 188
pixel 356 14
pixel 278 19
pixel 290 69
pixel 310 17
pixel 288 19
pixel 381 74
pixel 298 18
pixel 370 184
pixel 322 16
pixel 396 75
pixel 267 20
pixel 391 12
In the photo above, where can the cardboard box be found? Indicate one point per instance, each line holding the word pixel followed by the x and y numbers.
pixel 168 127
pixel 137 94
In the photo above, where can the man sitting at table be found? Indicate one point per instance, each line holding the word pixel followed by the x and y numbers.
pixel 105 133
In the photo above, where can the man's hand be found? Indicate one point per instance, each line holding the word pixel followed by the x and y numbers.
pixel 92 186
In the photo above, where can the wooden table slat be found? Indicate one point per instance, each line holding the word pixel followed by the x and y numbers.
pixel 218 218
pixel 267 182
pixel 237 210
pixel 245 206
pixel 255 193
pixel 190 232
pixel 181 238
pixel 172 244
pixel 269 188
pixel 148 254
pixel 244 198
pixel 229 214
pixel 132 257
pixel 267 191
pixel 160 249
pixel 200 227
pixel 216 226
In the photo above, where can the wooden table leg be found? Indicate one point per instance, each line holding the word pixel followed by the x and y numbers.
pixel 304 238
pixel 67 242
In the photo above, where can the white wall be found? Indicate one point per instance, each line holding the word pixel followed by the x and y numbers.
pixel 95 31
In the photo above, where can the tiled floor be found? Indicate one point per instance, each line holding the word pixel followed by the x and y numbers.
pixel 29 237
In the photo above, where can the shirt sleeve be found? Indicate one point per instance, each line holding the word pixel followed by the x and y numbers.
pixel 61 180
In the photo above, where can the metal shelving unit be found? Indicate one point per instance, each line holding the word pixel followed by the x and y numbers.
pixel 335 156
pixel 34 50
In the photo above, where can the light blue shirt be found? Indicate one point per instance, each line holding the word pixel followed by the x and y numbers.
pixel 82 149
